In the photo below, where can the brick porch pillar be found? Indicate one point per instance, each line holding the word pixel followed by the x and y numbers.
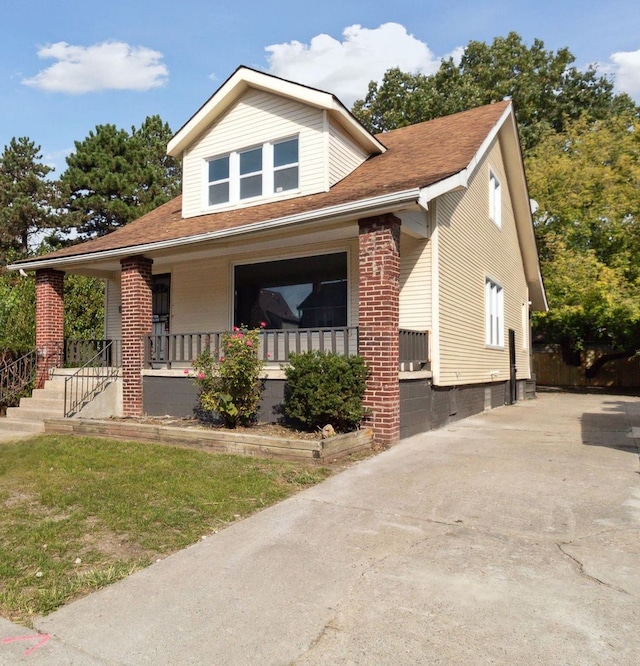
pixel 49 322
pixel 379 303
pixel 136 323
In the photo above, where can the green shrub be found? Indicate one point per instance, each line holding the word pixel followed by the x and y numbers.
pixel 230 386
pixel 325 389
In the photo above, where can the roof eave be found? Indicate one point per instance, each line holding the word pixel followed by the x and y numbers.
pixel 379 205
pixel 243 79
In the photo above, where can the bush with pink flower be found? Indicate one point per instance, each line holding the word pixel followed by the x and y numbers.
pixel 229 383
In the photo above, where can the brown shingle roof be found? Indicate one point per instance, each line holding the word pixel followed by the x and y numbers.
pixel 417 156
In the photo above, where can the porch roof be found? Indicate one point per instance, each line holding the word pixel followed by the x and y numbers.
pixel 417 157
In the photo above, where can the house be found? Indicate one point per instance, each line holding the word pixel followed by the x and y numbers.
pixel 413 248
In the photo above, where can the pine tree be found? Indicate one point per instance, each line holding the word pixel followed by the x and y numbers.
pixel 27 198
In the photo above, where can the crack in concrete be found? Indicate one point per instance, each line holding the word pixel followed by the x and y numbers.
pixel 581 570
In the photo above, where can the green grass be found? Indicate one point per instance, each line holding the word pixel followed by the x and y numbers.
pixel 77 514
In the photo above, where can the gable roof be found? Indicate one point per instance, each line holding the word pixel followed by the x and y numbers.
pixel 417 157
pixel 245 78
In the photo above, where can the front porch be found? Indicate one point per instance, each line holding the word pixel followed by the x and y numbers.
pixel 336 294
pixel 90 366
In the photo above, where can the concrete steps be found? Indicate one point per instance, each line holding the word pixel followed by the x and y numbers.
pixel 28 418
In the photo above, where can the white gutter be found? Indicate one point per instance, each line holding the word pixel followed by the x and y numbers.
pixel 380 204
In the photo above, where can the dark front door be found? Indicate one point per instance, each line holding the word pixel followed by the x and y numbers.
pixel 161 309
pixel 513 388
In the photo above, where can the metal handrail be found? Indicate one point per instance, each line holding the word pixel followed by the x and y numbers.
pixel 17 376
pixel 86 382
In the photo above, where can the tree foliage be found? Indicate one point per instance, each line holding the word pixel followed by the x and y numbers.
pixel 27 197
pixel 83 308
pixel 114 176
pixel 546 89
pixel 585 183
pixel 17 312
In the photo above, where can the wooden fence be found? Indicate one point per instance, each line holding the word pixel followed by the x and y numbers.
pixel 550 370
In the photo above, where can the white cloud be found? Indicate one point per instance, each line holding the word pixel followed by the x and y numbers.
pixel 627 72
pixel 106 66
pixel 345 68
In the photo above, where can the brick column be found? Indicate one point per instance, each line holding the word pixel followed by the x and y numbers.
pixel 136 323
pixel 49 322
pixel 379 304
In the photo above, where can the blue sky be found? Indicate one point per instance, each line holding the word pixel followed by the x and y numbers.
pixel 68 65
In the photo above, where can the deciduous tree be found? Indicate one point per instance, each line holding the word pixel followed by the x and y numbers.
pixel 547 90
pixel 585 183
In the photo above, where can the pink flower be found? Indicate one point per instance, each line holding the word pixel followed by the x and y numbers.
pixel 248 343
pixel 263 324
pixel 230 344
pixel 201 375
pixel 186 372
pixel 269 355
pixel 235 328
pixel 222 359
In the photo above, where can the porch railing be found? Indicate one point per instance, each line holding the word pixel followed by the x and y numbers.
pixel 17 377
pixel 90 379
pixel 275 344
pixel 102 353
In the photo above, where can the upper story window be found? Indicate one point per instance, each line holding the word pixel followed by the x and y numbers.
pixel 246 174
pixel 494 314
pixel 495 199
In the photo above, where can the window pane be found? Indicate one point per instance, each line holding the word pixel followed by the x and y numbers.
pixel 218 193
pixel 219 169
pixel 285 179
pixel 251 186
pixel 308 292
pixel 251 161
pixel 285 152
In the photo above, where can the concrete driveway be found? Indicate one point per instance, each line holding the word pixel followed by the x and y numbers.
pixel 511 538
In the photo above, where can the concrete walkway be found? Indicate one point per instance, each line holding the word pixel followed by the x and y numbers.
pixel 508 538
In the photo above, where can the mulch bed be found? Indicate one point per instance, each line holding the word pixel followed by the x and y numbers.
pixel 265 429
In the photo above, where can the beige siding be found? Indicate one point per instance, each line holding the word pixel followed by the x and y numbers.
pixel 258 117
pixel 344 155
pixel 470 248
pixel 112 317
pixel 199 296
pixel 201 299
pixel 415 283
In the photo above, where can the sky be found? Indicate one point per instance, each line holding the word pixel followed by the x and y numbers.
pixel 67 66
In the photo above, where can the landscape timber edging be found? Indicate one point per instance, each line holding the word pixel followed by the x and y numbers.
pixel 221 441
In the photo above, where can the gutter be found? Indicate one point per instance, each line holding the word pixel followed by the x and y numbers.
pixel 375 205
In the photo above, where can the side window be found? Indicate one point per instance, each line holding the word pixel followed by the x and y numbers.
pixel 251 173
pixel 494 314
pixel 218 180
pixel 495 199
pixel 285 165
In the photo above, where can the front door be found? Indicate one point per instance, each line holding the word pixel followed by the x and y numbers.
pixel 161 309
pixel 513 388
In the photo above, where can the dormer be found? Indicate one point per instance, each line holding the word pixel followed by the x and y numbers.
pixel 260 138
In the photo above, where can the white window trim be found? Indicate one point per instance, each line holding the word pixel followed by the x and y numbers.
pixel 494 313
pixel 495 199
pixel 267 174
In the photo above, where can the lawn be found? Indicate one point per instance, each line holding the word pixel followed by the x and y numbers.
pixel 77 514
